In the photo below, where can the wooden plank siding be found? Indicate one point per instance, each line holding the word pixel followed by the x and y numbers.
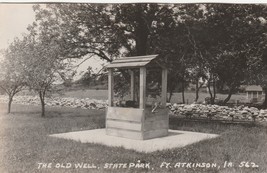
pixel 155 125
pixel 126 125
pixel 130 64
pixel 164 87
pixel 110 87
pixel 138 61
pixel 125 114
pixel 132 85
pixel 122 60
pixel 137 123
pixel 155 133
pixel 124 133
pixel 142 92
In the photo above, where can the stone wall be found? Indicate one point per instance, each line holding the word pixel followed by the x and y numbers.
pixel 85 103
pixel 183 110
pixel 219 112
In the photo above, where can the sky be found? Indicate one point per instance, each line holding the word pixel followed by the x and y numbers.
pixel 14 20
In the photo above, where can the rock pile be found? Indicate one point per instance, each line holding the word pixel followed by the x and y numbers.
pixel 218 112
pixel 85 103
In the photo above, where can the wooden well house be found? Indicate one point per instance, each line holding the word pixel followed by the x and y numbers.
pixel 139 119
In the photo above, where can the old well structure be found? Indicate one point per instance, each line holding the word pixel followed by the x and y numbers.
pixel 138 117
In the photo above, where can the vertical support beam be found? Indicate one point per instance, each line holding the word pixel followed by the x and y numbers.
pixel 257 94
pixel 247 95
pixel 142 99
pixel 132 84
pixel 110 87
pixel 164 87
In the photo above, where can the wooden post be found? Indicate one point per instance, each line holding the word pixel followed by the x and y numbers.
pixel 164 87
pixel 132 84
pixel 142 99
pixel 110 87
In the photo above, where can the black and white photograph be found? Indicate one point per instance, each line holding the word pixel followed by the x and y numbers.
pixel 134 86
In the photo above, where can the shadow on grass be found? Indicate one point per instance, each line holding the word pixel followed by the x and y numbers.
pixel 51 112
pixel 56 114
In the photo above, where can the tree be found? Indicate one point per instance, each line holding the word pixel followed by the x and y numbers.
pixel 257 68
pixel 34 61
pixel 231 69
pixel 198 77
pixel 192 38
pixel 39 62
pixel 187 43
pixel 235 31
pixel 11 79
pixel 106 30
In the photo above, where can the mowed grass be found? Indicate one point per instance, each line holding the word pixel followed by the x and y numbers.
pixel 92 94
pixel 176 98
pixel 25 143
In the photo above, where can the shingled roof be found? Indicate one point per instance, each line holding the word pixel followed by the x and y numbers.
pixel 135 61
pixel 254 88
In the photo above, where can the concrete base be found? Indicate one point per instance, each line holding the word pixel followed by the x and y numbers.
pixel 175 139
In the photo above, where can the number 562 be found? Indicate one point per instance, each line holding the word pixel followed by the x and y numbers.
pixel 248 165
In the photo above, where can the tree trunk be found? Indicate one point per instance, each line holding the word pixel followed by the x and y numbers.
pixel 264 104
pixel 228 97
pixel 212 95
pixel 171 89
pixel 141 32
pixel 197 90
pixel 9 103
pixel 170 96
pixel 42 95
pixel 183 92
pixel 214 89
pixel 43 109
pixel 211 102
pixel 171 85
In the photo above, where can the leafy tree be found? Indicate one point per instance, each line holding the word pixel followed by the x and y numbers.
pixel 234 30
pixel 40 66
pixel 11 79
pixel 106 30
pixel 231 69
pixel 191 37
pixel 99 29
pixel 187 43
pixel 198 77
pixel 257 68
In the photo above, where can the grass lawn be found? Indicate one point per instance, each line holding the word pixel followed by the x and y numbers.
pixel 25 143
